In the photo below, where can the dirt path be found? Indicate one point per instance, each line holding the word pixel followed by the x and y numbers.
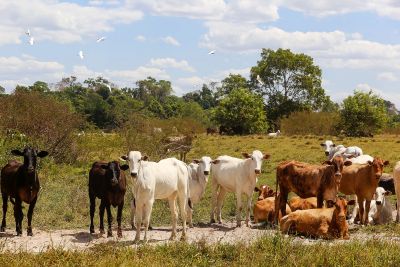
pixel 80 239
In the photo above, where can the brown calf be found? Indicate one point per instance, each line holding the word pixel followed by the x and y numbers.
pixel 264 191
pixel 321 181
pixel 20 181
pixel 264 210
pixel 362 180
pixel 107 181
pixel 327 223
pixel 298 203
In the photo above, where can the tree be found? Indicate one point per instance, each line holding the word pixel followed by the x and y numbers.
pixel 205 97
pixel 363 114
pixel 40 87
pixel 241 112
pixel 2 90
pixel 159 90
pixel 233 81
pixel 289 82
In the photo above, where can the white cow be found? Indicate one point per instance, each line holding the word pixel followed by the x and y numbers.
pixel 396 178
pixel 166 179
pixel 198 178
pixel 275 134
pixel 363 159
pixel 380 208
pixel 238 176
pixel 332 150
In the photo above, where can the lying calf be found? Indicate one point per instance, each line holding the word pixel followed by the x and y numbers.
pixel 298 203
pixel 264 210
pixel 327 223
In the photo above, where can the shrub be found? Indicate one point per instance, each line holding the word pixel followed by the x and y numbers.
pixel 315 123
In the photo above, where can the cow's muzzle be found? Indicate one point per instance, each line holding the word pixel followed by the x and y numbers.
pixel 378 202
pixel 134 174
pixel 338 174
pixel 326 153
pixel 206 172
pixel 114 182
pixel 257 171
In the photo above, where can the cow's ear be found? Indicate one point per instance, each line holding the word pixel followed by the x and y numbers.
pixel 328 162
pixel 347 163
pixel 370 163
pixel 322 144
pixel 334 145
pixel 351 202
pixel 104 167
pixel 124 167
pixel 215 161
pixel 385 163
pixel 256 189
pixel 42 154
pixel 387 193
pixel 16 152
pixel 196 161
pixel 270 192
pixel 267 156
pixel 145 157
pixel 246 155
pixel 124 157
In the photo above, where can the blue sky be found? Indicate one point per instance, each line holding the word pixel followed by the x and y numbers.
pixel 356 43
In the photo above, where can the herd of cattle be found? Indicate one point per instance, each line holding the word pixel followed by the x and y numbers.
pixel 316 211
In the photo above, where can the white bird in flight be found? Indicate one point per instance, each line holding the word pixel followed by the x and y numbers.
pixel 211 52
pixel 259 80
pixel 101 39
pixel 31 40
pixel 28 32
pixel 80 54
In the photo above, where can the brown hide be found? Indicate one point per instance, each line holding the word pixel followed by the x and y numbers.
pixel 264 191
pixel 327 223
pixel 298 203
pixel 264 210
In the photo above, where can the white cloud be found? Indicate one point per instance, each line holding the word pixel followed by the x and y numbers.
pixel 139 73
pixel 61 22
pixel 170 40
pixel 82 72
pixel 140 38
pixel 171 63
pixel 387 76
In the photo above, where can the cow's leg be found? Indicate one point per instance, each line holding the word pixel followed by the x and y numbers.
pixel 398 208
pixel 133 213
pixel 18 215
pixel 238 209
pixel 367 207
pixel 174 215
pixel 190 216
pixel 182 209
pixel 214 191
pixel 282 202
pixel 5 204
pixel 361 210
pixel 138 220
pixel 92 199
pixel 248 208
pixel 101 215
pixel 119 218
pixel 320 201
pixel 30 214
pixel 109 220
pixel 220 201
pixel 146 218
pixel 277 209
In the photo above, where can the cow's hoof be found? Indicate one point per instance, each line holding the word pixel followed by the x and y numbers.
pixel 2 229
pixel 238 224
pixel 183 238
pixel 109 234
pixel 191 225
pixel 102 231
pixel 133 227
pixel 29 232
pixel 19 233
pixel 119 234
pixel 172 238
pixel 150 227
pixel 212 221
pixel 91 231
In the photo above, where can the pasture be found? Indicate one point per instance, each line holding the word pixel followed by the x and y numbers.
pixel 64 204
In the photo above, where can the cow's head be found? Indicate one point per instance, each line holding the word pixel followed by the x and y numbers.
pixel 205 164
pixel 379 196
pixel 340 211
pixel 30 157
pixel 328 145
pixel 378 165
pixel 256 158
pixel 113 172
pixel 264 191
pixel 332 177
pixel 134 158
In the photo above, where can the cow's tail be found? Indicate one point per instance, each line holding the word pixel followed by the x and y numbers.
pixel 189 201
pixel 12 200
pixel 277 200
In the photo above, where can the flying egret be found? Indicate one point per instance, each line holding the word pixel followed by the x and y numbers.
pixel 28 32
pixel 101 39
pixel 259 80
pixel 80 54
pixel 211 52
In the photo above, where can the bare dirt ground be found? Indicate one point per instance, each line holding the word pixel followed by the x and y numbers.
pixel 80 239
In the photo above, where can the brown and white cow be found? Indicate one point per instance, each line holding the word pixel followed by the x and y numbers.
pixel 264 191
pixel 362 180
pixel 327 223
pixel 306 180
pixel 298 203
pixel 264 210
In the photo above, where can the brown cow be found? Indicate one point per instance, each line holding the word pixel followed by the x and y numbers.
pixel 362 180
pixel 20 181
pixel 264 191
pixel 298 203
pixel 264 210
pixel 107 181
pixel 327 223
pixel 306 180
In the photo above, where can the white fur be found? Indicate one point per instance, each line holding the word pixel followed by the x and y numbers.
pixel 363 159
pixel 275 134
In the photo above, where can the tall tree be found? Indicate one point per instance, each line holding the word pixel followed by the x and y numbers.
pixel 205 97
pixel 233 81
pixel 289 82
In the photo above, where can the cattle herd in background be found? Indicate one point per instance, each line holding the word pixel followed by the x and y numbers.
pixel 316 211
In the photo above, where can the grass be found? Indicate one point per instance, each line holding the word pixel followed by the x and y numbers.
pixel 271 251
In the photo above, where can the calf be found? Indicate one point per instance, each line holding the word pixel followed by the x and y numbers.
pixel 211 131
pixel 327 223
pixel 198 178
pixel 274 134
pixel 166 179
pixel 264 210
pixel 321 181
pixel 298 203
pixel 380 209
pixel 362 180
pixel 396 177
pixel 108 183
pixel 20 181
pixel 235 175
pixel 264 191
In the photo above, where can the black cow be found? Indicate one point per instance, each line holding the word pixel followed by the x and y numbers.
pixel 20 182
pixel 107 181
